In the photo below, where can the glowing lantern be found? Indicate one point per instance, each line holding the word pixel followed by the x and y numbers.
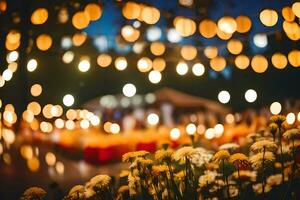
pixel 94 11
pixel 36 90
pixel 211 52
pixel 294 58
pixel 104 60
pixel 208 28
pixel 144 64
pixel 227 24
pixel 159 64
pixel 43 42
pixel 259 64
pixel 157 48
pixel 188 52
pixel 243 24
pixel 218 63
pixel 33 164
pixel 242 61
pixel 39 16
pixel 80 20
pixel 296 9
pixel 288 14
pixel 185 26
pixel 131 10
pixel 79 38
pixel 223 35
pixel 234 46
pixel 279 60
pixel 268 17
pixel 150 15
pixel 129 33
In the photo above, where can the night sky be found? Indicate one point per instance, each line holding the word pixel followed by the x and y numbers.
pixel 59 79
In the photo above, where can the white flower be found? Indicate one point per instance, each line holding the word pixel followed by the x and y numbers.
pixel 184 152
pixel 229 146
pixel 201 157
pixel 208 178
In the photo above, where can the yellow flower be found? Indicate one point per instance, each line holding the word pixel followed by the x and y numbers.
pixel 292 134
pixel 221 155
pixel 180 175
pixel 259 146
pixel 34 193
pixel 258 158
pixel 163 154
pixel 77 189
pixel 157 169
pixel 257 188
pixel 130 156
pixel 245 175
pixel 274 179
pixel 123 188
pixel 278 119
pixel 144 162
pixel 100 181
pixel 184 152
pixel 239 159
pixel 273 128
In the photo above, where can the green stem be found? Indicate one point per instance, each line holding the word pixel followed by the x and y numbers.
pixel 225 179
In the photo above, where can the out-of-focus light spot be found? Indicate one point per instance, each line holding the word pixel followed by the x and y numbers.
pixel 290 118
pixel 12 56
pixel 84 124
pixel 33 164
pixel 219 130
pixel 209 133
pixel 114 128
pixel 7 75
pixel 224 97
pixel 229 118
pixel 198 69
pixel 153 33
pixel 68 57
pixel 32 65
pixel 60 168
pixel 68 100
pixel 50 159
pixel 250 95
pixel 175 134
pixel 154 77
pixel 129 90
pixel 84 65
pixel 121 63
pixel 201 129
pixel 182 68
pixel 59 123
pixel 153 119
pixel 173 36
pixel 275 108
pixel 191 129
pixel 66 42
pixel 260 40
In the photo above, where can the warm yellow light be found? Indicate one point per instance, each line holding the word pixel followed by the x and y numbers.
pixel 211 52
pixel 144 64
pixel 242 61
pixel 191 129
pixel 219 130
pixel 288 14
pixel 68 57
pixel 157 48
pixel 36 90
pixel 26 152
pixel 60 168
pixel 129 90
pixel 259 64
pixel 185 26
pixel 34 107
pixel 188 52
pixel 33 164
pixel 243 24
pixel 84 124
pixel 279 60
pixel 93 10
pixel 209 133
pixel 150 15
pixel 114 128
pixel 131 10
pixel 43 42
pixel 235 46
pixel 59 123
pixel 229 118
pixel 50 159
pixel 275 108
pixel 218 63
pixel 39 16
pixel 121 63
pixel 70 125
pixel 227 24
pixel 84 65
pixel 104 60
pixel 208 28
pixel 250 95
pixel 107 126
pixel 81 20
pixel 159 64
pixel 129 33
pixel 268 17
pixel 12 56
pixel 296 9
